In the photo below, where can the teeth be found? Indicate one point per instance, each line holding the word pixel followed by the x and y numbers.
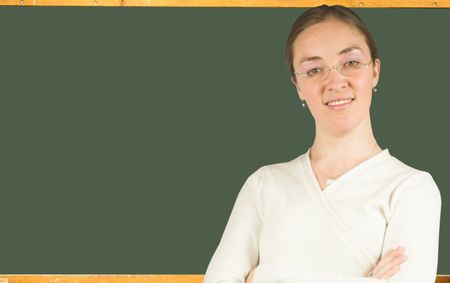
pixel 339 102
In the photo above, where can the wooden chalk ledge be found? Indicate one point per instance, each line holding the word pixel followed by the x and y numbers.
pixel 90 278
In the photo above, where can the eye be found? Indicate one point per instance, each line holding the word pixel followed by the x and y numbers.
pixel 314 72
pixel 352 64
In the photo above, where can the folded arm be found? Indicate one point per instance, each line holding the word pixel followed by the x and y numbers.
pixel 413 223
pixel 237 253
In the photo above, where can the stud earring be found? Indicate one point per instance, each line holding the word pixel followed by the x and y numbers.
pixel 303 104
pixel 375 89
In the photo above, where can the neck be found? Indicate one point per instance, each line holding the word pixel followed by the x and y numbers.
pixel 342 149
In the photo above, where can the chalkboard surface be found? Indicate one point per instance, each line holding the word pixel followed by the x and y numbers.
pixel 126 133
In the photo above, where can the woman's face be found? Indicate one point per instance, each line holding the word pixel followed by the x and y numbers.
pixel 328 44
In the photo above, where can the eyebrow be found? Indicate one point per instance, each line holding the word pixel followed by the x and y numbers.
pixel 343 51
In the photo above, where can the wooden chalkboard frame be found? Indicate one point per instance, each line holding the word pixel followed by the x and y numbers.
pixel 234 3
pixel 196 3
pixel 160 278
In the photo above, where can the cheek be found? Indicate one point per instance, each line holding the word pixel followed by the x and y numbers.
pixel 363 88
pixel 364 84
pixel 314 96
pixel 311 92
pixel 363 91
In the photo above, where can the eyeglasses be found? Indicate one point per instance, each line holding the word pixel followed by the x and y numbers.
pixel 349 68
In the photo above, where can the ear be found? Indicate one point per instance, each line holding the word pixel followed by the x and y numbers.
pixel 376 72
pixel 293 81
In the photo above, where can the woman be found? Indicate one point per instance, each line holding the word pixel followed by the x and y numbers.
pixel 346 210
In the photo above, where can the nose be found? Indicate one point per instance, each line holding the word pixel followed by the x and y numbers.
pixel 335 80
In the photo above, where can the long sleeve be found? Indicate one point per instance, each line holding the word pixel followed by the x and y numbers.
pixel 237 252
pixel 271 273
pixel 413 224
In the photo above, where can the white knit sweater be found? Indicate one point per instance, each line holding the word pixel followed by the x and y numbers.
pixel 295 232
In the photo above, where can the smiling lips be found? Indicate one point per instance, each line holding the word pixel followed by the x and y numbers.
pixel 340 104
pixel 339 101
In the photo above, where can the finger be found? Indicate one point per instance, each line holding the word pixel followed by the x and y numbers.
pixel 400 259
pixel 395 252
pixel 250 276
pixel 388 273
pixel 388 264
pixel 391 258
pixel 383 270
pixel 389 268
pixel 392 254
pixel 384 259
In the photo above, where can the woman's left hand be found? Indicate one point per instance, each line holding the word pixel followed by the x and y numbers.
pixel 250 276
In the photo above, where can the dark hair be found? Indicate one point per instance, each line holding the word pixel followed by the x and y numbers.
pixel 320 14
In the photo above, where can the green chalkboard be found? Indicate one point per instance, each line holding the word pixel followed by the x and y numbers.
pixel 126 133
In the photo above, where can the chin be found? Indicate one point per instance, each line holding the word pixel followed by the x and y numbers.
pixel 344 122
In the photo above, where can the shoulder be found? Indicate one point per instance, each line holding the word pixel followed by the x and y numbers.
pixel 270 185
pixel 397 173
pixel 280 171
pixel 409 174
pixel 413 185
pixel 274 178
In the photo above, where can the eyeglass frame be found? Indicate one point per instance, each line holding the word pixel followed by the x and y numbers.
pixel 337 67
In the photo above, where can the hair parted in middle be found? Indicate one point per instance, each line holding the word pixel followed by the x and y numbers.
pixel 320 14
